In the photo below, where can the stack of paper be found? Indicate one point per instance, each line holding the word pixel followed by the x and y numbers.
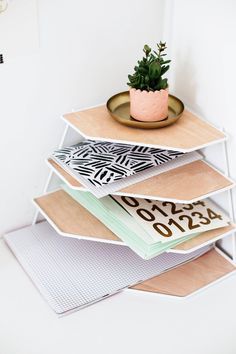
pixel 151 227
pixel 71 273
pixel 105 167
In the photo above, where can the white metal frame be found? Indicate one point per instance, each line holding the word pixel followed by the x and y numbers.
pixel 65 137
pixel 230 200
pixel 49 179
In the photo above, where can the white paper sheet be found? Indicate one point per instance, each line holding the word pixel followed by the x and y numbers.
pixel 166 221
pixel 71 273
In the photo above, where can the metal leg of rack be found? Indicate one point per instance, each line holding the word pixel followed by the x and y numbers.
pixel 49 179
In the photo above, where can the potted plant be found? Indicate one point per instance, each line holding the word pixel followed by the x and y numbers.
pixel 149 91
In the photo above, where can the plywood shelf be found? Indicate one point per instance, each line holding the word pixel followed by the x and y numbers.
pixel 204 239
pixel 199 177
pixel 189 133
pixel 69 218
pixel 190 277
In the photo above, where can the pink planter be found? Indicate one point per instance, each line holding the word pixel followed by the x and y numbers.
pixel 148 105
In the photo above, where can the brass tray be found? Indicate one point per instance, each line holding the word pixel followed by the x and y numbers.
pixel 119 108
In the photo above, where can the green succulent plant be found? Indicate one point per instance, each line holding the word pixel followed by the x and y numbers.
pixel 149 71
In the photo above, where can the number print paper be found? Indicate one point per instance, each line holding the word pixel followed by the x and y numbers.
pixel 102 163
pixel 168 220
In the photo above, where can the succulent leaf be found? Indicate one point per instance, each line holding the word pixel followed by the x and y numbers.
pixel 154 70
pixel 149 70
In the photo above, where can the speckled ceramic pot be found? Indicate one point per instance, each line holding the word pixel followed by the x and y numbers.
pixel 148 106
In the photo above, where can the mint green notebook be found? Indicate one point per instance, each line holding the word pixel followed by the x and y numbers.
pixel 121 223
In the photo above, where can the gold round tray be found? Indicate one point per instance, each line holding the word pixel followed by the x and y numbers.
pixel 119 108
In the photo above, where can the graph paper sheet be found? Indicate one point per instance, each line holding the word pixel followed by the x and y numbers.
pixel 71 273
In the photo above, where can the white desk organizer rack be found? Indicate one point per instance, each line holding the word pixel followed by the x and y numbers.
pixel 189 134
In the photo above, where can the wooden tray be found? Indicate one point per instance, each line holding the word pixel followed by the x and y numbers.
pixel 202 181
pixel 190 277
pixel 69 218
pixel 188 134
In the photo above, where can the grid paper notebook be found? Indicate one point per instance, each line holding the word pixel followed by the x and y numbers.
pixel 105 167
pixel 71 273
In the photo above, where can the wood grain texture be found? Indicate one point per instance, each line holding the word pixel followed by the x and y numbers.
pixel 204 238
pixel 184 183
pixel 190 277
pixel 189 133
pixel 72 182
pixel 71 218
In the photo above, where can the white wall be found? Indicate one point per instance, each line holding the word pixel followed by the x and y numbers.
pixel 87 48
pixel 203 54
pixel 203 75
pixel 19 28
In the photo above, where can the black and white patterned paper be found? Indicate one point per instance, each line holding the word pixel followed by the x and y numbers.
pixel 102 163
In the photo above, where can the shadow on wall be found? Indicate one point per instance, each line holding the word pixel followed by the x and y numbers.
pixel 184 80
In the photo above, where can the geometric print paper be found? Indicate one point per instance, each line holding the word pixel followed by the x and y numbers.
pixel 102 163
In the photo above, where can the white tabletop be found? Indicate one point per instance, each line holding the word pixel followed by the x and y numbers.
pixel 130 322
